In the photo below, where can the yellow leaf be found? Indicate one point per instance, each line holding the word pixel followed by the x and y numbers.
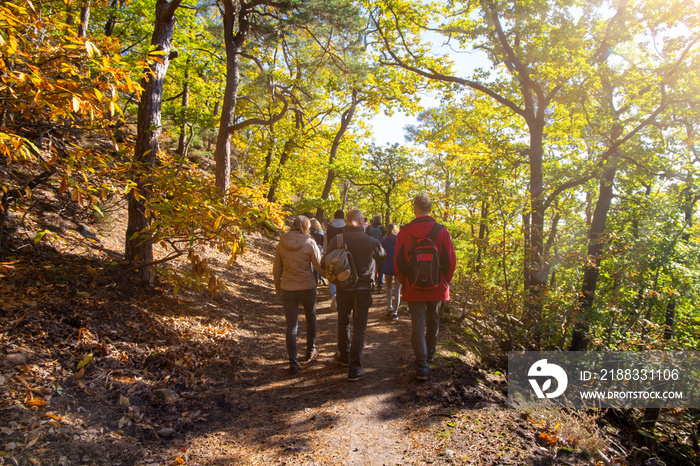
pixel 124 401
pixel 86 360
pixel 98 94
pixel 76 104
pixel 217 222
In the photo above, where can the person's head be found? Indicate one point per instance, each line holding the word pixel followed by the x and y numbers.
pixel 354 218
pixel 377 220
pixel 422 205
pixel 339 214
pixel 392 229
pixel 315 224
pixel 302 224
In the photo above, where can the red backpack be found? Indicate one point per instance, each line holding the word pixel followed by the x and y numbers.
pixel 424 261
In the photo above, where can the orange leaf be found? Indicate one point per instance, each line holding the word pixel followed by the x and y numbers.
pixel 31 400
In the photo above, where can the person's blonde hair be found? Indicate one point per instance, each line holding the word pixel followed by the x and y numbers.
pixel 302 224
pixel 315 224
pixel 392 229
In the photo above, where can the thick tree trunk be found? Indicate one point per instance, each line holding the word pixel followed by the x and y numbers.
pixel 535 270
pixel 234 45
pixel 139 250
pixel 345 120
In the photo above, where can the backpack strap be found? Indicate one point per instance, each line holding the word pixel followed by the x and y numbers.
pixel 434 232
pixel 339 241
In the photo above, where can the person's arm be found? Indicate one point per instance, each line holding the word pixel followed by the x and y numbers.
pixel 447 255
pixel 316 259
pixel 400 265
pixel 277 272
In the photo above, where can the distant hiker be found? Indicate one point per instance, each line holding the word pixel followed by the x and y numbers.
pixel 317 234
pixel 295 284
pixel 424 262
pixel 393 285
pixel 377 231
pixel 356 297
pixel 336 226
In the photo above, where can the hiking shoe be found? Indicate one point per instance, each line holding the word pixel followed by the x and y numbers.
pixel 389 312
pixel 340 361
pixel 422 377
pixel 356 376
pixel 294 368
pixel 311 355
pixel 395 316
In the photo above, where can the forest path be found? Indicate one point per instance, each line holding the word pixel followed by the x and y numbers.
pixel 317 416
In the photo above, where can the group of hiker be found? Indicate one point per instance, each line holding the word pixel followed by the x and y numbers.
pixel 418 261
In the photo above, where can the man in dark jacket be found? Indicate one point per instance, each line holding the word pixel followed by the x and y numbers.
pixel 367 252
pixel 424 304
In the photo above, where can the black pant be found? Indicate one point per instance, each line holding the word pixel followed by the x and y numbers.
pixel 348 301
pixel 290 303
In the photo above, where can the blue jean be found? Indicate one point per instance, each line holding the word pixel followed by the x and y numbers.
pixel 332 287
pixel 393 291
pixel 425 323
pixel 356 303
pixel 290 304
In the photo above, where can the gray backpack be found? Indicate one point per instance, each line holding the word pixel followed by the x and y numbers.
pixel 340 266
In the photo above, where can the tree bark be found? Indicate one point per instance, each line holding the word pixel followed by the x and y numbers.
pixel 111 18
pixel 579 338
pixel 481 241
pixel 139 249
pixel 234 46
pixel 84 20
pixel 274 184
pixel 345 120
pixel 181 146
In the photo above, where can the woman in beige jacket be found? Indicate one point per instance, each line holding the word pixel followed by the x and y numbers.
pixel 295 284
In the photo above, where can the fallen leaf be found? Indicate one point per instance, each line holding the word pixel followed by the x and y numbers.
pixel 31 400
pixel 124 401
pixel 86 360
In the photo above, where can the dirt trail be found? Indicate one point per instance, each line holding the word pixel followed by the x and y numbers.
pixel 317 416
pixel 186 379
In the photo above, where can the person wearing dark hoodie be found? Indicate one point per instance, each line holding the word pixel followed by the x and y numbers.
pixel 393 285
pixel 295 284
pixel 424 304
pixel 377 231
pixel 355 300
pixel 336 226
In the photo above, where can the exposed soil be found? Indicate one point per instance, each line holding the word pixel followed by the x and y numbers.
pixel 190 379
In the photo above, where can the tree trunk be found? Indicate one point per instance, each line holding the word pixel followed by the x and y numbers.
pixel 181 146
pixel 269 155
pixel 272 193
pixel 345 120
pixel 234 45
pixel 84 20
pixel 139 250
pixel 535 273
pixel 111 18
pixel 481 241
pixel 579 338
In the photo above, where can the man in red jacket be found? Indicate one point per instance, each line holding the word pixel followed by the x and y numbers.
pixel 424 303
